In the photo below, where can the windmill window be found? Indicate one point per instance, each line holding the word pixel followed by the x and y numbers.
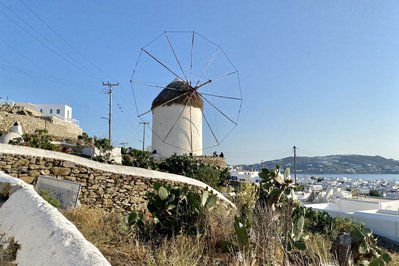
pixel 51 111
pixel 41 111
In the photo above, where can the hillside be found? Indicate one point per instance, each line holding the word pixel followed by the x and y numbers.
pixel 334 164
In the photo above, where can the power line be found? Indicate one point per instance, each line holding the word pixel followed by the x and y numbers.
pixel 63 39
pixel 64 57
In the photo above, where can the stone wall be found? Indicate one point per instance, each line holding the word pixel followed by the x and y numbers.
pixel 56 127
pixel 111 187
pixel 216 161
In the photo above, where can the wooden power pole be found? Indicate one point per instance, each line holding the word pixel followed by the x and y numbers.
pixel 295 164
pixel 109 92
pixel 144 124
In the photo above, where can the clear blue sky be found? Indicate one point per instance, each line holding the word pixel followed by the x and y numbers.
pixel 321 75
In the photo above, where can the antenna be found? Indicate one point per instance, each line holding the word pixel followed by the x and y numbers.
pixel 109 92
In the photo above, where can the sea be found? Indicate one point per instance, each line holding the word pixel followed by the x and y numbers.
pixel 387 177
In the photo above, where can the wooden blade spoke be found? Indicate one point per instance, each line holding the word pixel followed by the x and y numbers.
pixel 162 64
pixel 153 85
pixel 223 97
pixel 177 59
pixel 165 103
pixel 207 65
pixel 174 124
pixel 217 109
pixel 206 121
pixel 191 61
pixel 210 128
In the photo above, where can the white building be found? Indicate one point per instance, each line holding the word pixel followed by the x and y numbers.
pixel 245 176
pixel 61 111
pixel 177 121
pixel 380 215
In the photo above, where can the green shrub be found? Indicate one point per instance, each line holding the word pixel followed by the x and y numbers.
pixel 187 165
pixel 175 211
pixel 8 251
pixel 49 198
pixel 374 193
pixel 102 144
pixel 40 139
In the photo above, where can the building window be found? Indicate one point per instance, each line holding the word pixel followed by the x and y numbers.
pixel 51 111
pixel 58 111
pixel 242 180
pixel 41 111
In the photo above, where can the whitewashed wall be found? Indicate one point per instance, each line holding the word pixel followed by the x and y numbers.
pixel 179 139
pixel 382 224
pixel 45 236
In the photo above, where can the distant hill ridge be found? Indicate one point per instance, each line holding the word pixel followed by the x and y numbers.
pixel 333 164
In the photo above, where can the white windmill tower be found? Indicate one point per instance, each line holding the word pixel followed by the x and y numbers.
pixel 202 103
pixel 177 100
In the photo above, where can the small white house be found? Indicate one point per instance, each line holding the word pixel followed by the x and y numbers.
pixel 60 110
pixel 245 176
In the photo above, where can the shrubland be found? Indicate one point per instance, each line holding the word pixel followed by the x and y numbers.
pixel 189 227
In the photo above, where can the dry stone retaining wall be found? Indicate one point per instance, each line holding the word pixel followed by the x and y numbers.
pixel 56 127
pixel 111 187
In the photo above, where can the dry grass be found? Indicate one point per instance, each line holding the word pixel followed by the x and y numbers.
pixel 122 246
pixel 8 251
pixel 110 234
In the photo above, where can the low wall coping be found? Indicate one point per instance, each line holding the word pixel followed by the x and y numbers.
pixel 45 236
pixel 117 169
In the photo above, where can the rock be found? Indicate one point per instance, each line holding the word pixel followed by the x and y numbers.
pixel 33 173
pixel 27 179
pixel 68 164
pixel 107 201
pixel 135 200
pixel 23 169
pixel 341 248
pixel 60 171
pixel 4 189
pixel 45 172
pixel 70 178
pixel 33 166
pixel 21 162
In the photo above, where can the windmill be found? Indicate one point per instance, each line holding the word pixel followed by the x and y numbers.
pixel 190 88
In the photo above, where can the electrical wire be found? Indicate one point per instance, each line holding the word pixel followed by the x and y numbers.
pixel 42 40
pixel 63 39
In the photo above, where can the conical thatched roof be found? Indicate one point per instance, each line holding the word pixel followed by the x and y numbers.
pixel 172 91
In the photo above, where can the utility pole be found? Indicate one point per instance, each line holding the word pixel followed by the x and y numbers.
pixel 144 124
pixel 294 164
pixel 109 92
